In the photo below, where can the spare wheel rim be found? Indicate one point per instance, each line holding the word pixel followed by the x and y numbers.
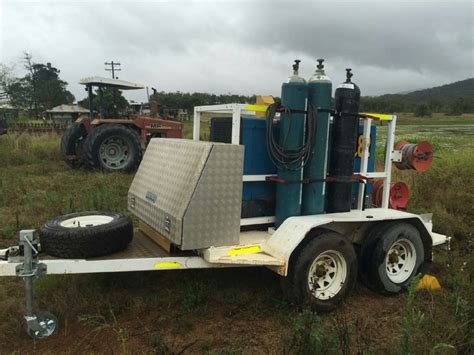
pixel 327 275
pixel 400 261
pixel 86 221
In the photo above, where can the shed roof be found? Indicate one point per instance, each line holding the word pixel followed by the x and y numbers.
pixel 109 82
pixel 68 109
pixel 6 106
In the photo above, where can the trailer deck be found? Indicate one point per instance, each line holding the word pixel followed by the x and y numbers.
pixel 143 254
pixel 255 248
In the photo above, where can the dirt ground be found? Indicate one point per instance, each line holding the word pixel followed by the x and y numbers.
pixel 233 311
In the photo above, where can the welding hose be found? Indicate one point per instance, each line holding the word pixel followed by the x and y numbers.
pixel 290 159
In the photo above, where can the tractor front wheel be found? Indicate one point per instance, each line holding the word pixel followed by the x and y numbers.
pixel 113 147
pixel 72 142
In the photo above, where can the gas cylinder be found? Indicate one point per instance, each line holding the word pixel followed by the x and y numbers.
pixel 319 97
pixel 291 138
pixel 343 146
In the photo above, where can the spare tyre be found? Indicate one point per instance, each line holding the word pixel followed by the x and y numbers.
pixel 86 234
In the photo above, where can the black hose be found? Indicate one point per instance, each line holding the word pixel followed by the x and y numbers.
pixel 290 159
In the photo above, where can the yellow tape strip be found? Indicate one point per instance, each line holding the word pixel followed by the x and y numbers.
pixel 168 264
pixel 380 116
pixel 256 108
pixel 245 250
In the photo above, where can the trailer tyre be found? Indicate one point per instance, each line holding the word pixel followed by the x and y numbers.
pixel 323 273
pixel 86 234
pixel 71 145
pixel 113 147
pixel 390 257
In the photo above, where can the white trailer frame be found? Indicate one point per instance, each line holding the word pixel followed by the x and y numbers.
pixel 272 248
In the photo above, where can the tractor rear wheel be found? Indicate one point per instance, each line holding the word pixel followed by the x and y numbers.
pixel 72 142
pixel 113 147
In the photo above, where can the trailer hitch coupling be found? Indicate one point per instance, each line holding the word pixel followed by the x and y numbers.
pixel 44 323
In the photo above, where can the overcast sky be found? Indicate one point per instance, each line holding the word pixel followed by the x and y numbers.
pixel 244 47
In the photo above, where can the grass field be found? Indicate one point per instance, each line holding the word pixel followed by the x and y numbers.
pixel 231 311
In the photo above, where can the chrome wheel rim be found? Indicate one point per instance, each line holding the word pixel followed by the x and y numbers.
pixel 400 261
pixel 114 152
pixel 327 275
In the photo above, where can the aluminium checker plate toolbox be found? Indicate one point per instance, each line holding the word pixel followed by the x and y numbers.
pixel 190 192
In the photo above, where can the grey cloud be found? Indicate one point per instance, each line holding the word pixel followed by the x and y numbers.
pixel 245 46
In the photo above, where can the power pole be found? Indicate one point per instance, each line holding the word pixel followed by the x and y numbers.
pixel 114 66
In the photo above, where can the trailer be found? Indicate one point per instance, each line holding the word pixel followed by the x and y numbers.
pixel 190 213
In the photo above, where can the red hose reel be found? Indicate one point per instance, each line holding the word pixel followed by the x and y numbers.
pixel 415 156
pixel 398 195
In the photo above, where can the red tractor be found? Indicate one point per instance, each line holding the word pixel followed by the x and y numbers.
pixel 115 144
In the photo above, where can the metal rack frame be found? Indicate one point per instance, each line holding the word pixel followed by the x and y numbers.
pixel 237 110
pixel 391 155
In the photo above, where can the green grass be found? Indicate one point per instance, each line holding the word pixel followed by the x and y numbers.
pixel 447 191
pixel 36 185
pixel 435 119
pixel 204 127
pixel 228 310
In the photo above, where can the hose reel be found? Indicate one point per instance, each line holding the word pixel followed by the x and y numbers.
pixel 290 159
pixel 415 156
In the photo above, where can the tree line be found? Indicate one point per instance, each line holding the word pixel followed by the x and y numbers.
pixel 41 89
pixel 452 99
pixel 450 107
pixel 186 100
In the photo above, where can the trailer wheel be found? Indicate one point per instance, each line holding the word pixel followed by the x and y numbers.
pixel 113 147
pixel 71 144
pixel 324 272
pixel 391 257
pixel 86 234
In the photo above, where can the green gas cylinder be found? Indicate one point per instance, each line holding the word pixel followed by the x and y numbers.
pixel 291 139
pixel 319 96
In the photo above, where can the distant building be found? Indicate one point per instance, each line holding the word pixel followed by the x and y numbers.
pixel 137 108
pixel 66 113
pixel 183 114
pixel 8 111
